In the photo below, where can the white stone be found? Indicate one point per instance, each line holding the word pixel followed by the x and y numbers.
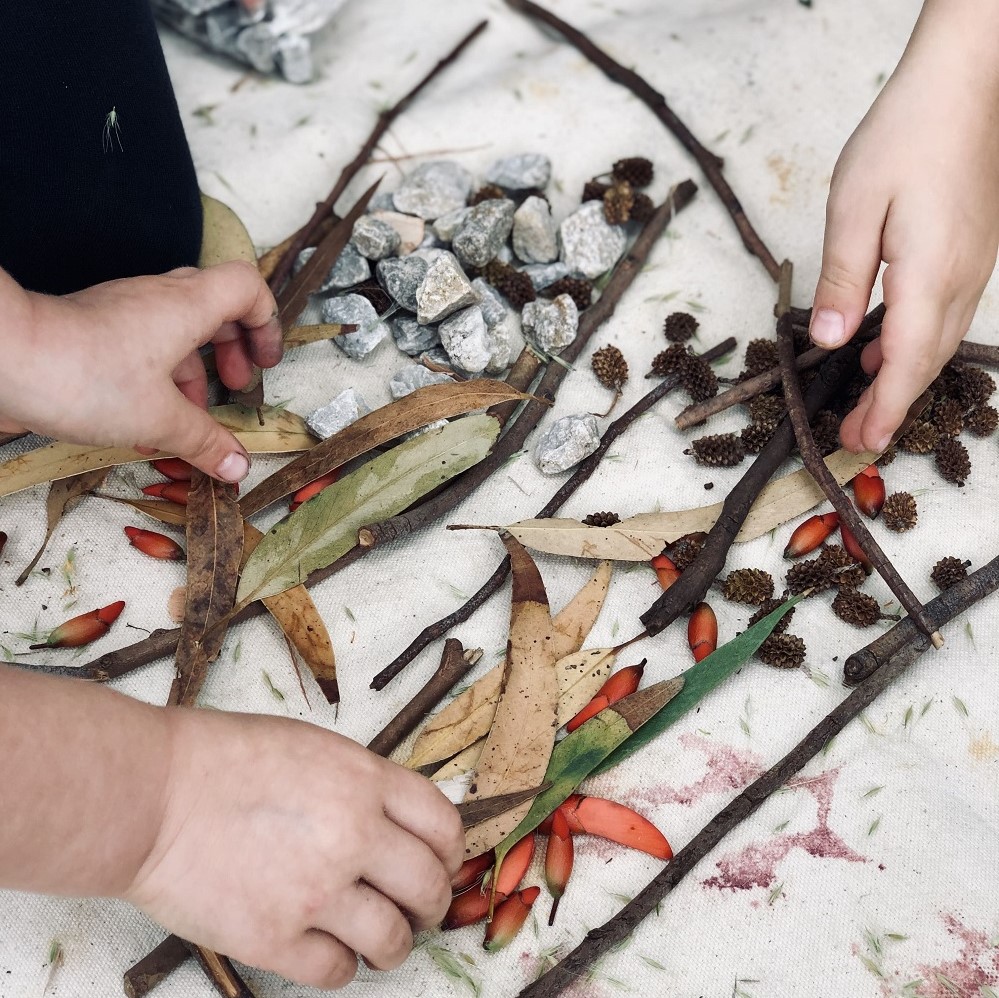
pixel 485 229
pixel 411 337
pixel 566 442
pixel 355 309
pixel 374 238
pixel 443 291
pixel 544 274
pixel 408 379
pixel 494 311
pixel 466 339
pixel 589 244
pixel 551 325
pixel 433 189
pixel 400 277
pixel 331 418
pixel 519 172
pixel 447 225
pixel 535 238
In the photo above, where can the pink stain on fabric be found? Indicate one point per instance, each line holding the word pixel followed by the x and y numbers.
pixel 756 865
pixel 975 967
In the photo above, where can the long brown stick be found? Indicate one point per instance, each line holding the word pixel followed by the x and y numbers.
pixel 604 938
pixel 656 102
pixel 306 233
pixel 155 966
pixel 582 473
pixel 848 514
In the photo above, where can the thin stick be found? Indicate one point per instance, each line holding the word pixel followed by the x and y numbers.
pixel 306 233
pixel 817 468
pixel 656 102
pixel 582 473
pixel 696 579
pixel 220 972
pixel 986 354
pixel 154 967
pixel 455 664
pixel 604 938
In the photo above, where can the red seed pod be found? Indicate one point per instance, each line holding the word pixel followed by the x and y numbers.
pixel 174 491
pixel 666 572
pixel 810 534
pixel 854 550
pixel 702 631
pixel 306 492
pixel 472 871
pixel 515 866
pixel 623 683
pixel 869 491
pixel 173 468
pixel 83 629
pixel 468 908
pixel 154 544
pixel 610 820
pixel 509 918
pixel 558 860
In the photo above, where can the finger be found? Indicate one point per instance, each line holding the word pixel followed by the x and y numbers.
pixel 146 451
pixel 870 357
pixel 231 357
pixel 849 431
pixel 416 805
pixel 189 376
pixel 414 878
pixel 266 344
pixel 373 927
pixel 316 960
pixel 192 434
pixel 851 255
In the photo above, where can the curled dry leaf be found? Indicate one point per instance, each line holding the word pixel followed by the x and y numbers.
pixel 159 509
pixel 412 412
pixel 468 717
pixel 520 740
pixel 282 432
pixel 300 336
pixel 642 537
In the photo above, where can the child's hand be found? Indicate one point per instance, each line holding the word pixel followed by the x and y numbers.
pixel 918 187
pixel 293 849
pixel 117 364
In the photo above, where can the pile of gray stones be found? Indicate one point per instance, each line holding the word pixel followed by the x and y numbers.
pixel 419 242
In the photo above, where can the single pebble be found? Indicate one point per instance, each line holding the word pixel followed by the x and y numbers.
pixel 374 238
pixel 589 244
pixel 400 277
pixel 408 379
pixel 465 338
pixel 381 202
pixel 520 172
pixel 544 274
pixel 443 291
pixel 433 189
pixel 447 225
pixel 350 268
pixel 494 310
pixel 343 410
pixel 550 325
pixel 355 309
pixel 486 228
pixel 294 57
pixel 566 442
pixel 412 338
pixel 535 238
pixel 500 339
pixel 410 228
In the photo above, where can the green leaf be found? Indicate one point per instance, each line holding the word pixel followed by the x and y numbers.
pixel 699 681
pixel 323 529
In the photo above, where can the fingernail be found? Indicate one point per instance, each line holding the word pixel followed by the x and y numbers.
pixel 234 467
pixel 828 328
pixel 884 442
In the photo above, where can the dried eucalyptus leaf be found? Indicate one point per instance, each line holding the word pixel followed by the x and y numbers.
pixel 324 528
pixel 576 620
pixel 223 235
pixel 300 336
pixel 171 513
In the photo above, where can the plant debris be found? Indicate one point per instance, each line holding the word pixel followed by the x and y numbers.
pixel 679 327
pixel 748 585
pixel 782 651
pixel 949 571
pixel 719 450
pixel 899 512
pixel 952 460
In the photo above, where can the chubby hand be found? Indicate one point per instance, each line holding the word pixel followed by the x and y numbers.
pixel 118 364
pixel 292 849
pixel 917 186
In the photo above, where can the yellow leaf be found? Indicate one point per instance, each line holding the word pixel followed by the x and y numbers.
pixel 571 626
pixel 223 235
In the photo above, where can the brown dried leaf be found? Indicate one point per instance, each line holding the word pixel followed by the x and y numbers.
pixel 62 496
pixel 171 513
pixel 302 625
pixel 423 406
pixel 576 620
pixel 474 811
pixel 520 740
pixel 214 550
pixel 300 336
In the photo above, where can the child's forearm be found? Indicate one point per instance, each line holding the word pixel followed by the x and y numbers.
pixel 83 775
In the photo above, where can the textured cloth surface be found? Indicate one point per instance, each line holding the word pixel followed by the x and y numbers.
pixel 877 867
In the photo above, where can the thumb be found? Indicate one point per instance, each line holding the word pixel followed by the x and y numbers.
pixel 197 438
pixel 851 255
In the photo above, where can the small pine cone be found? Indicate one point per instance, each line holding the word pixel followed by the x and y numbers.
pixel 767 607
pixel 949 572
pixel 579 289
pixel 844 570
pixel 618 202
pixel 982 421
pixel 719 450
pixel 635 170
pixel 974 386
pixel 856 608
pixel 374 294
pixel 672 360
pixel 767 409
pixel 948 417
pixel 610 367
pixel 920 438
pixel 699 380
pixel 889 455
pixel 684 550
pixel 679 327
pixel 490 192
pixel 825 431
pixel 944 386
pixel 515 286
pixel 757 435
pixel 782 651
pixel 814 574
pixel 643 208
pixel 953 461
pixel 899 512
pixel 748 585
pixel 802 341
pixel 594 190
pixel 602 520
pixel 761 355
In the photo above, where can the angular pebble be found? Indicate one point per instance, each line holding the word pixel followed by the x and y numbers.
pixel 444 290
pixel 500 341
pixel 517 173
pixel 465 338
pixel 483 232
pixel 412 338
pixel 433 189
pixel 381 202
pixel 535 238
pixel 374 238
pixel 494 311
pixel 350 268
pixel 410 228
pixel 294 58
pixel 331 418
pixel 551 325
pixel 566 442
pixel 400 277
pixel 353 308
pixel 406 381
pixel 589 244
pixel 447 225
pixel 544 274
